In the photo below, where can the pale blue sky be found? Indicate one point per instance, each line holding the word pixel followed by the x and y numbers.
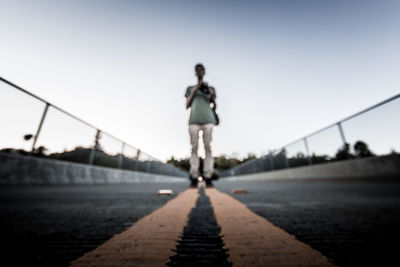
pixel 282 69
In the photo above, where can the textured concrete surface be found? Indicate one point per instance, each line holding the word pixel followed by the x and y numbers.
pixel 18 169
pixel 354 222
pixel 52 225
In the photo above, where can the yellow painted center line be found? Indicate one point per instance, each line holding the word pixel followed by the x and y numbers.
pixel 149 242
pixel 254 241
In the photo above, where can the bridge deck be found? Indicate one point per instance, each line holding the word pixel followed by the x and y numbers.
pixel 285 223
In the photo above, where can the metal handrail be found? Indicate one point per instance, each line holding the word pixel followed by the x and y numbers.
pixel 304 139
pixel 48 104
pixel 346 119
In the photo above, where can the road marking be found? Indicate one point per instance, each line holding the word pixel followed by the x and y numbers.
pixel 254 241
pixel 149 242
pixel 201 243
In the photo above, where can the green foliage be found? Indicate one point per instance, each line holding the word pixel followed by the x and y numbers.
pixel 183 164
pixel 221 163
pixel 79 154
pixel 82 155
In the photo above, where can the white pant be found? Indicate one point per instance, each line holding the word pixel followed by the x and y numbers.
pixel 194 130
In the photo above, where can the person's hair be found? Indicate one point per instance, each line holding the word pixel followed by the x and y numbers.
pixel 199 65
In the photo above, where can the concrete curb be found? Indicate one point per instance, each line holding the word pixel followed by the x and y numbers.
pixel 20 169
pixel 383 166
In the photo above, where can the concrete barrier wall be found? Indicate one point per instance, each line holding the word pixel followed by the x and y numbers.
pixel 383 166
pixel 20 169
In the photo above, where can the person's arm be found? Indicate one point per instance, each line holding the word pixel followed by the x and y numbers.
pixel 190 98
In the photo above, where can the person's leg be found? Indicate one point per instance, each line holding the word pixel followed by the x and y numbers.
pixel 208 161
pixel 194 158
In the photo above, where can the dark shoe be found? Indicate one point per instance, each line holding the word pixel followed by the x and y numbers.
pixel 209 182
pixel 215 175
pixel 193 182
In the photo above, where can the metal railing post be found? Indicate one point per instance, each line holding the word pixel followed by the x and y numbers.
pixel 339 124
pixel 307 151
pixel 96 143
pixel 40 126
pixel 121 156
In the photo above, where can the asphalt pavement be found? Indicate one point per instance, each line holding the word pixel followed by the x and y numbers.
pixel 353 222
pixel 52 225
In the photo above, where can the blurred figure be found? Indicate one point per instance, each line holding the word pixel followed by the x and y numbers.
pixel 199 98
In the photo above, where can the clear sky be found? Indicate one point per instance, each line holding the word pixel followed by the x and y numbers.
pixel 281 69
